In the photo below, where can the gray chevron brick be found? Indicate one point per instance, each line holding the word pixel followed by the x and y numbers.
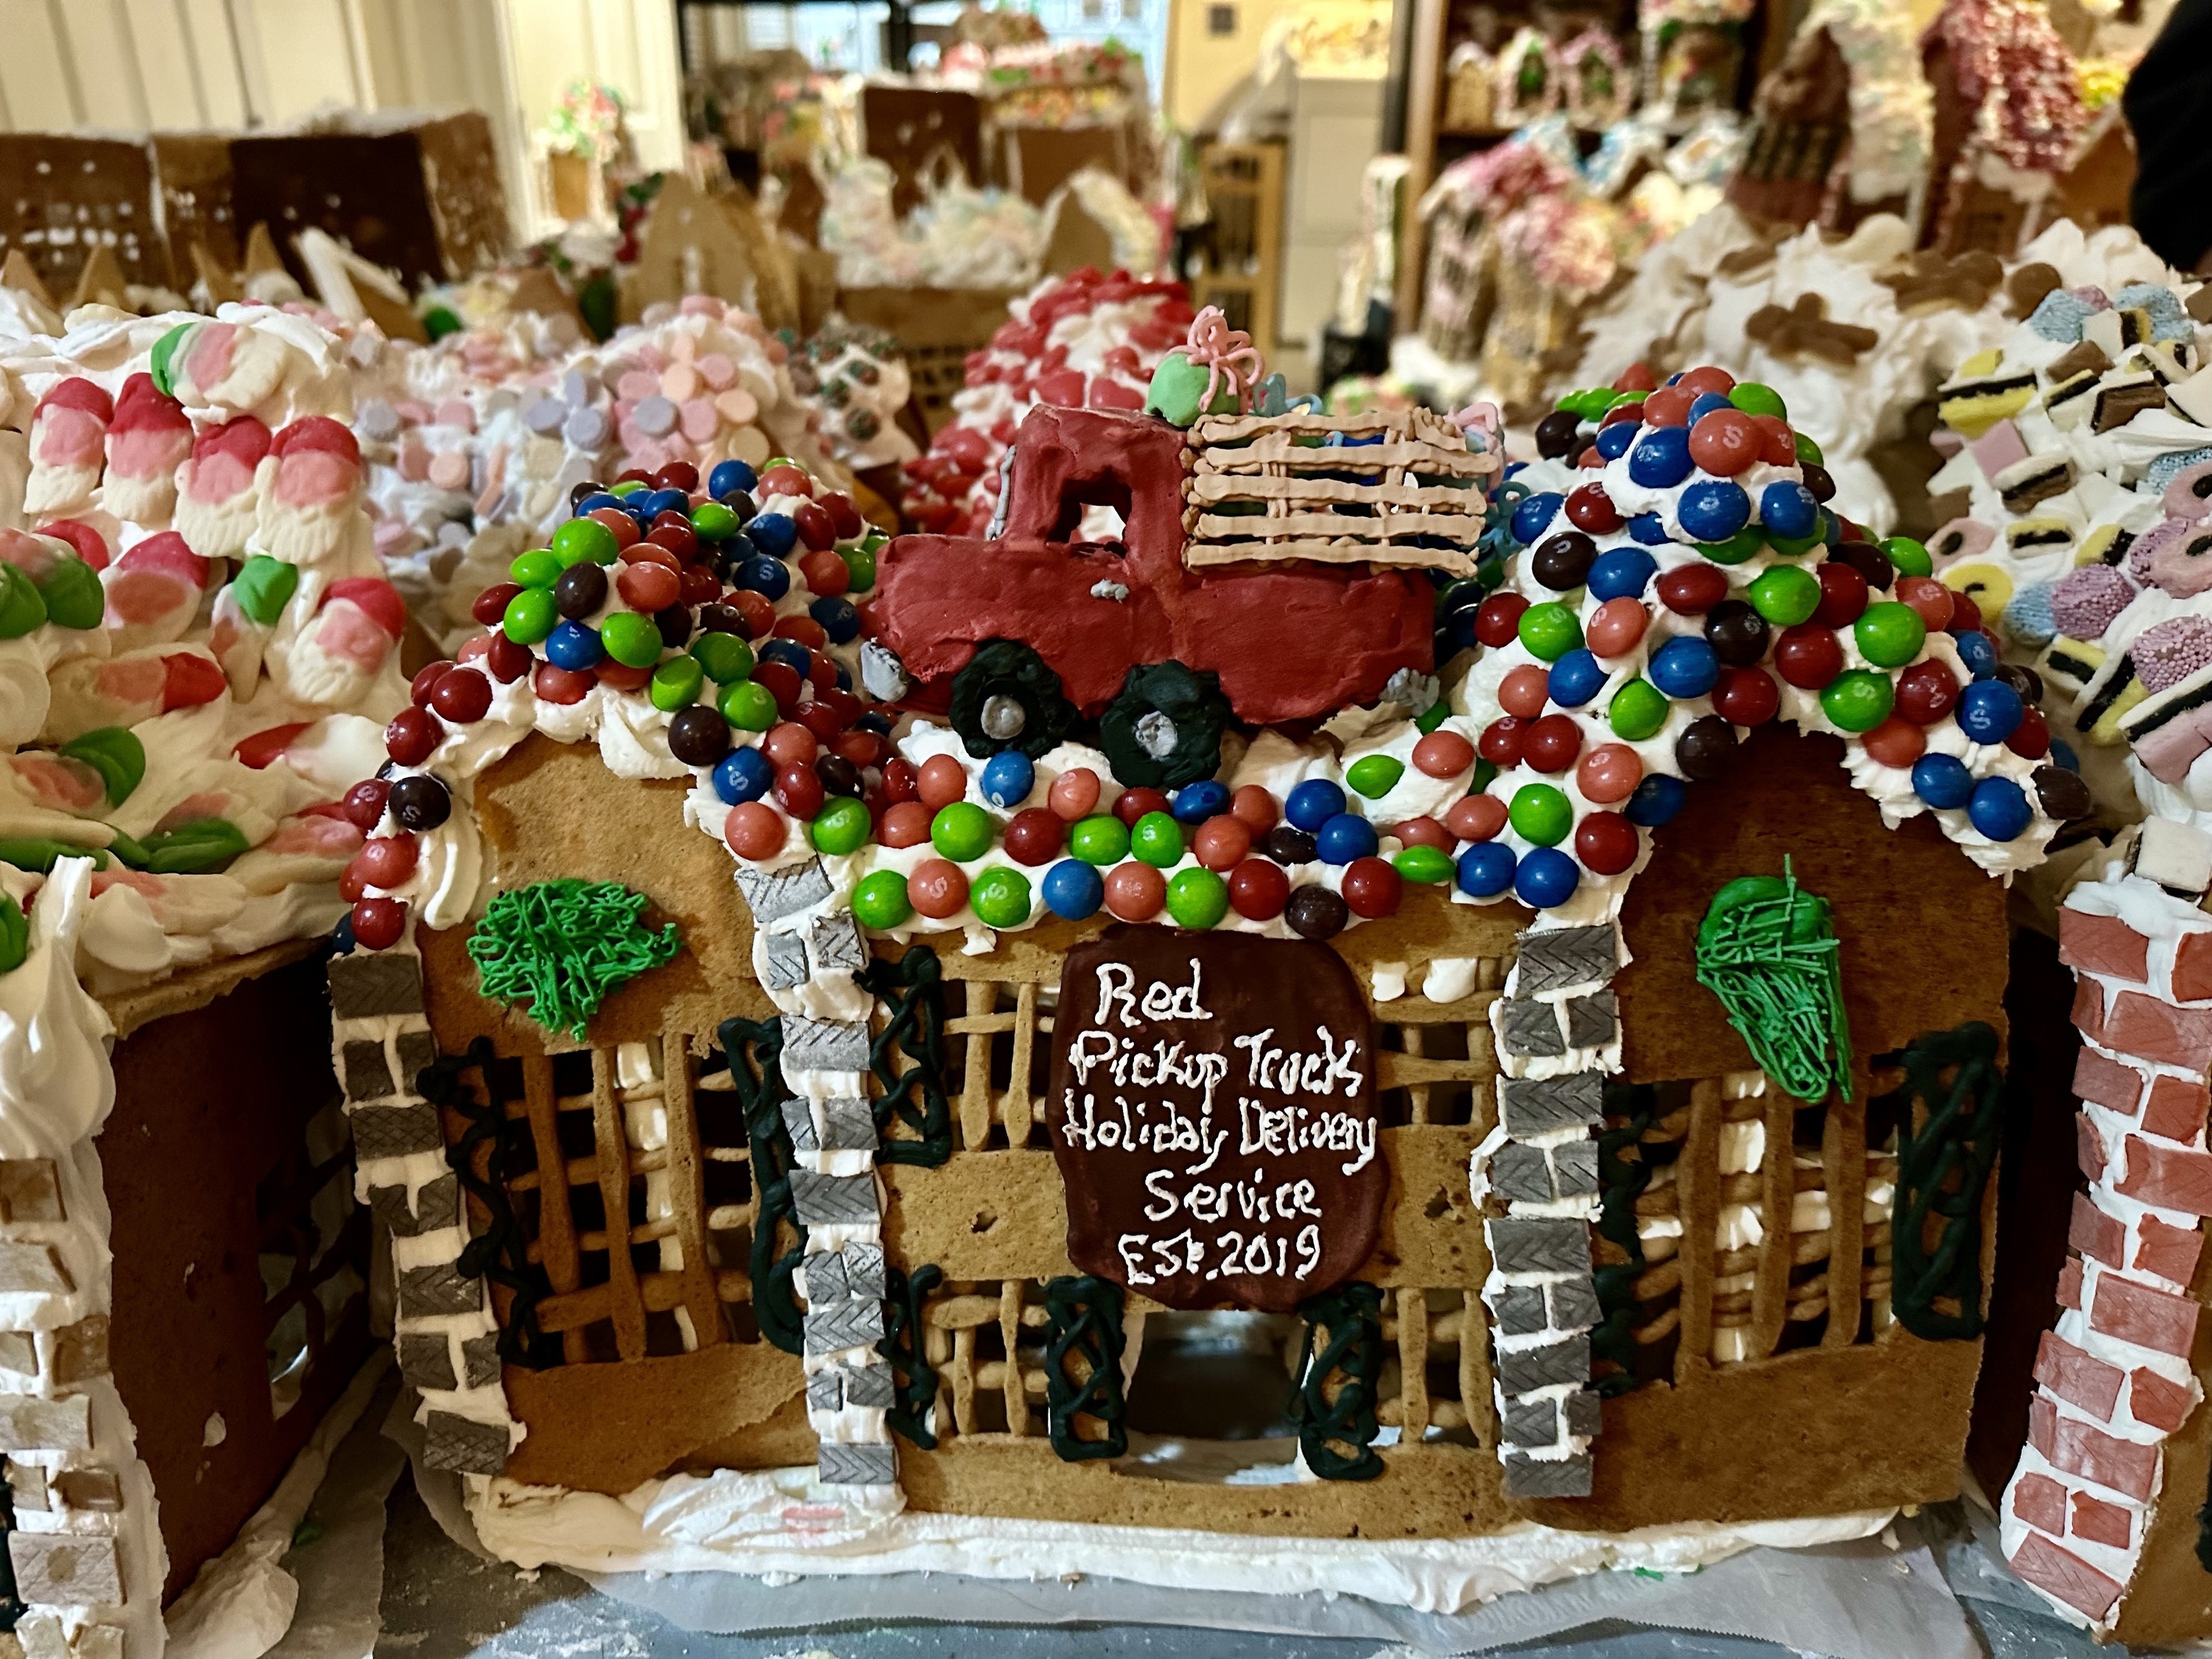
pixel 824 1200
pixel 854 1324
pixel 426 1291
pixel 389 1206
pixel 825 1390
pixel 848 1124
pixel 786 955
pixel 864 1269
pixel 417 1050
pixel 1583 1414
pixel 395 1131
pixel 825 1277
pixel 369 983
pixel 1530 1028
pixel 1530 1107
pixel 1524 1370
pixel 1574 1304
pixel 479 1361
pixel 1520 1175
pixel 1557 959
pixel 1531 1422
pixel 1519 1309
pixel 798 1122
pixel 868 1386
pixel 1592 1021
pixel 1539 1245
pixel 453 1441
pixel 775 894
pixel 835 943
pixel 824 1045
pixel 872 1464
pixel 367 1074
pixel 426 1361
pixel 1574 1167
pixel 1531 1477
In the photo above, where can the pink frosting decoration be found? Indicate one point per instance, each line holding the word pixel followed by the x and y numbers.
pixel 2170 652
pixel 2085 601
pixel 1227 355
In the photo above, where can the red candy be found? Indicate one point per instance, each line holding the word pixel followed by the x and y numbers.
pixel 784 481
pixel 1606 842
pixel 816 528
pixel 1372 888
pixel 1259 890
pixel 754 830
pixel 1551 744
pixel 362 805
pixel 1498 621
pixel 1222 842
pixel 1134 804
pixel 1616 626
pixel 1808 656
pixel 1699 381
pixel 413 734
pixel 1424 832
pixel 1669 406
pixel 905 824
pixel 1034 835
pixel 2031 738
pixel 648 587
pixel 901 780
pixel 1524 692
pixel 1073 794
pixel 1896 742
pixel 1608 773
pixel 863 749
pixel 1443 754
pixel 1746 697
pixel 1637 377
pixel 1476 817
pixel 1778 444
pixel 808 632
pixel 386 861
pixel 491 604
pixel 844 517
pixel 759 614
pixel 1135 891
pixel 509 660
pixel 1926 692
pixel 462 696
pixel 377 923
pixel 1691 590
pixel 1254 808
pixel 789 744
pixel 1843 595
pixel 1501 741
pixel 822 720
pixel 1725 442
pixel 1966 615
pixel 826 573
pixel 780 681
pixel 1933 601
pixel 676 475
pixel 798 790
pixel 426 678
pixel 944 780
pixel 620 523
pixel 1589 508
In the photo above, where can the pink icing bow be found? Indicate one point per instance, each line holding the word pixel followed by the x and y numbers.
pixel 1225 354
pixel 1482 420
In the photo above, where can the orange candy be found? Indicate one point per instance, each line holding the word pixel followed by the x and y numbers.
pixel 943 781
pixel 937 889
pixel 1526 690
pixel 754 830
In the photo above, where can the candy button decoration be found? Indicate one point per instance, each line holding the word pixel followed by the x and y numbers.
pixel 1008 777
pixel 1711 511
pixel 1999 809
pixel 1545 877
pixel 743 775
pixel 1194 803
pixel 879 902
pixel 1541 814
pixel 961 831
pixel 1344 838
pixel 1661 458
pixel 1638 711
pixel 1375 775
pixel 1785 595
pixel 1575 678
pixel 1073 889
pixel 1312 803
pixel 1943 781
pixel 1889 634
pixel 1788 509
pixel 1621 573
pixel 1988 711
pixel 1685 667
pixel 1486 870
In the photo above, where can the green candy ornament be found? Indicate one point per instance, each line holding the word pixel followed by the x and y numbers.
pixel 22 607
pixel 263 586
pixel 114 753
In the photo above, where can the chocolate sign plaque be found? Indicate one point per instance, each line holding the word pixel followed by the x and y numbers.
pixel 1212 1109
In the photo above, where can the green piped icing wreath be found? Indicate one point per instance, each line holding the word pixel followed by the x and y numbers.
pixel 1767 949
pixel 564 947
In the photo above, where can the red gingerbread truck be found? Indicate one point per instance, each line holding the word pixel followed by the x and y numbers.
pixel 1262 570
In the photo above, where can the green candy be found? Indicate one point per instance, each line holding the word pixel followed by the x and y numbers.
pixel 1375 775
pixel 128 850
pixel 631 640
pixel 35 853
pixel 842 826
pixel 115 754
pixel 163 366
pixel 22 607
pixel 1427 865
pixel 627 487
pixel 1156 839
pixel 1808 451
pixel 75 598
pixel 195 848
pixel 1737 549
pixel 1542 814
pixel 531 615
pixel 748 705
pixel 1436 716
pixel 1550 630
pixel 961 831
pixel 1615 399
pixel 586 538
pixel 860 565
pixel 711 521
pixel 1589 403
pixel 438 321
pixel 1101 839
pixel 724 656
pixel 1792 546
pixel 1910 556
pixel 1754 398
pixel 1197 898
pixel 539 568
pixel 1638 710
pixel 776 461
pixel 1859 700
pixel 263 586
pixel 675 684
pixel 1485 774
pixel 14 935
pixel 880 901
pixel 1889 634
pixel 1001 898
pixel 1786 595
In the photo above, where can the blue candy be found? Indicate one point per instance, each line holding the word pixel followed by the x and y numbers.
pixel 1648 529
pixel 572 645
pixel 1577 677
pixel 1999 809
pixel 1714 509
pixel 1685 666
pixel 1622 574
pixel 1977 653
pixel 1485 869
pixel 1661 458
pixel 1787 508
pixel 743 775
pixel 1656 801
pixel 1943 781
pixel 764 574
pixel 1706 402
pixel 1345 837
pixel 1546 877
pixel 653 503
pixel 1459 628
pixel 730 476
pixel 790 652
pixel 773 533
pixel 838 618
pixel 1535 512
pixel 1073 890
pixel 593 504
pixel 2062 755
pixel 1613 441
pixel 1008 777
pixel 1988 711
pixel 1194 803
pixel 1312 803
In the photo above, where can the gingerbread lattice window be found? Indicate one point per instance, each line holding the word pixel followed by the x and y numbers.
pixel 314 1250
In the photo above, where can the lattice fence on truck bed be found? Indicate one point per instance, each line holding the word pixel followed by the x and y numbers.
pixel 1396 488
pixel 1755 1217
pixel 1435 1062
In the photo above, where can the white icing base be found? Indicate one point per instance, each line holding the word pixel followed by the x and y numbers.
pixel 733 1521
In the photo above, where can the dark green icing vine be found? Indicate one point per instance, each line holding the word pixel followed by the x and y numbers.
pixel 500 1254
pixel 1343 1340
pixel 1942 1170
pixel 1084 1317
pixel 914 1379
pixel 1621 1180
pixel 754 1050
pixel 912 992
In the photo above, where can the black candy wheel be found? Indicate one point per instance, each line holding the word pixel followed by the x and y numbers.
pixel 1007 698
pixel 1164 730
